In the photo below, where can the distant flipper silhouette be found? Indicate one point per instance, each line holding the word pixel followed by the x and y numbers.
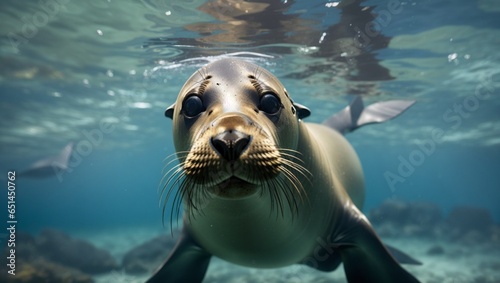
pixel 49 166
pixel 356 115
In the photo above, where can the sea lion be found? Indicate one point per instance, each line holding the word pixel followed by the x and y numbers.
pixel 262 188
pixel 50 166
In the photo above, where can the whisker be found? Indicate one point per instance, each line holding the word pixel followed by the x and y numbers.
pixel 268 189
pixel 288 187
pixel 291 156
pixel 176 177
pixel 290 150
pixel 180 197
pixel 297 189
pixel 175 158
pixel 171 189
pixel 275 198
pixel 178 169
pixel 175 155
pixel 285 191
pixel 298 168
pixel 293 180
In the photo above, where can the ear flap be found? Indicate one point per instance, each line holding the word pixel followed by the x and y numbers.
pixel 302 111
pixel 170 111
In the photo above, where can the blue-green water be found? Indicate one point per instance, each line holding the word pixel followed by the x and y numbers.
pixel 67 67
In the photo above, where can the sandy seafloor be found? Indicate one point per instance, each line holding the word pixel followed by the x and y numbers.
pixel 458 264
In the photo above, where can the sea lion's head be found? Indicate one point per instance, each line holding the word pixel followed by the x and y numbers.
pixel 235 132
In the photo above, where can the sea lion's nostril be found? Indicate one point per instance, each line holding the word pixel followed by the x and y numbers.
pixel 220 146
pixel 230 144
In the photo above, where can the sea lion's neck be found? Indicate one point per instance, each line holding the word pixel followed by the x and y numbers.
pixel 242 231
pixel 328 194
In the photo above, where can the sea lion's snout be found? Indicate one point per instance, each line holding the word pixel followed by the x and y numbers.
pixel 231 138
pixel 232 153
pixel 230 144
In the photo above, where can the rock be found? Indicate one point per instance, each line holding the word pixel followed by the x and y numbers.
pixel 41 271
pixel 60 248
pixel 411 219
pixel 470 225
pixel 495 235
pixel 392 211
pixel 487 278
pixel 414 230
pixel 425 214
pixel 25 246
pixel 464 219
pixel 493 265
pixel 435 250
pixel 148 256
pixel 56 258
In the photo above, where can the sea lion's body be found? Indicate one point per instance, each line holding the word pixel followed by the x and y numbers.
pixel 261 188
pixel 243 232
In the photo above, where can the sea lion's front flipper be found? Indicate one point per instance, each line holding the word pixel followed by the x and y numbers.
pixel 402 257
pixel 365 257
pixel 187 263
pixel 356 115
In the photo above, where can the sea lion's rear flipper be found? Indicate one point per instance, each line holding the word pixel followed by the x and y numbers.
pixel 187 263
pixel 365 257
pixel 356 115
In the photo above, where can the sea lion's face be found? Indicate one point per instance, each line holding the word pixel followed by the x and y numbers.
pixel 235 131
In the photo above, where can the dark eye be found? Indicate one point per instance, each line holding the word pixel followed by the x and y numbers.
pixel 192 106
pixel 270 103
